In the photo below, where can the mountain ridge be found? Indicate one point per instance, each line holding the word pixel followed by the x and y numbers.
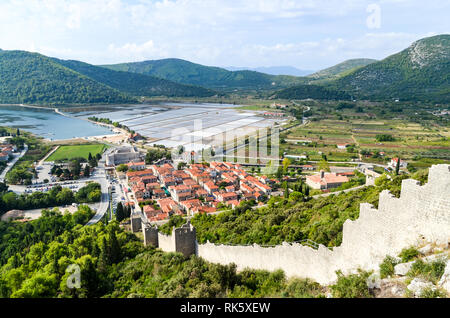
pixel 340 68
pixel 33 78
pixel 136 84
pixel 420 72
pixel 186 72
pixel 274 70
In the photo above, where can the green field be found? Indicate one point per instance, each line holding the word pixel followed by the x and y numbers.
pixel 77 151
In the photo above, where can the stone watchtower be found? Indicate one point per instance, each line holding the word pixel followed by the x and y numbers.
pixel 150 235
pixel 182 240
pixel 185 239
pixel 136 222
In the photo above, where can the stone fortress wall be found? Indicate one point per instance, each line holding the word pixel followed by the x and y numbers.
pixel 182 240
pixel 421 214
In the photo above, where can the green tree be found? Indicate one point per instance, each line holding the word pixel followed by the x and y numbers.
pixel 120 213
pixel 286 164
pixel 40 285
pixel 127 211
pixel 397 167
pixel 75 167
pixel 94 196
pixel 65 197
pixel 296 196
pixel 306 190
pixel 87 171
pixel 122 168
pixel 93 162
pixel 286 190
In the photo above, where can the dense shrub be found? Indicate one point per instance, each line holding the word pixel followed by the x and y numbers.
pixel 432 293
pixel 408 254
pixel 387 267
pixel 432 271
pixel 351 286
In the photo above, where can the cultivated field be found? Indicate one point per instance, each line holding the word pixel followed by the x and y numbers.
pixel 421 145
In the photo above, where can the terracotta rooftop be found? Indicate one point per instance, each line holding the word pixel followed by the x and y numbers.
pixel 146 172
pixel 328 178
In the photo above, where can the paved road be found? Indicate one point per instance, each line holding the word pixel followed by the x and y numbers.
pixel 103 208
pixel 41 162
pixel 337 192
pixel 12 163
pixel 100 176
pixel 354 163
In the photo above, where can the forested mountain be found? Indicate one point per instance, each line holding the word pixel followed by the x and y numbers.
pixel 35 79
pixel 274 70
pixel 136 84
pixel 312 91
pixel 420 72
pixel 32 78
pixel 185 72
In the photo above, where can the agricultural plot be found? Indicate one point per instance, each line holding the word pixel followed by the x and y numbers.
pixel 322 138
pixel 411 141
pixel 76 151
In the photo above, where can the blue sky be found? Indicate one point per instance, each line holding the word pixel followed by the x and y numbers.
pixel 308 34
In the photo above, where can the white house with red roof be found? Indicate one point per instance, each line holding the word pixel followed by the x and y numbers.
pixel 342 146
pixel 394 161
pixel 227 196
pixel 136 166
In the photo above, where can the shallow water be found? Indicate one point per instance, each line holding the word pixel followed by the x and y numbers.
pixel 48 124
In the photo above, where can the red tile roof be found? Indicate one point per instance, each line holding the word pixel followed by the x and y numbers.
pixel 328 178
pixel 142 173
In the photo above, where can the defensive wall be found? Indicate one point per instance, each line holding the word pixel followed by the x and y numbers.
pixel 421 214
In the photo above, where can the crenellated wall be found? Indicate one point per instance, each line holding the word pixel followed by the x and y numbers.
pixel 422 213
pixel 182 240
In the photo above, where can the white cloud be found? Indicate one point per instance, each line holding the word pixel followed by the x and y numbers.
pixel 74 18
pixel 302 33
pixel 137 52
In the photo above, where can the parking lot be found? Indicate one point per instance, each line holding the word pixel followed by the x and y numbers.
pixel 72 185
pixel 117 193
